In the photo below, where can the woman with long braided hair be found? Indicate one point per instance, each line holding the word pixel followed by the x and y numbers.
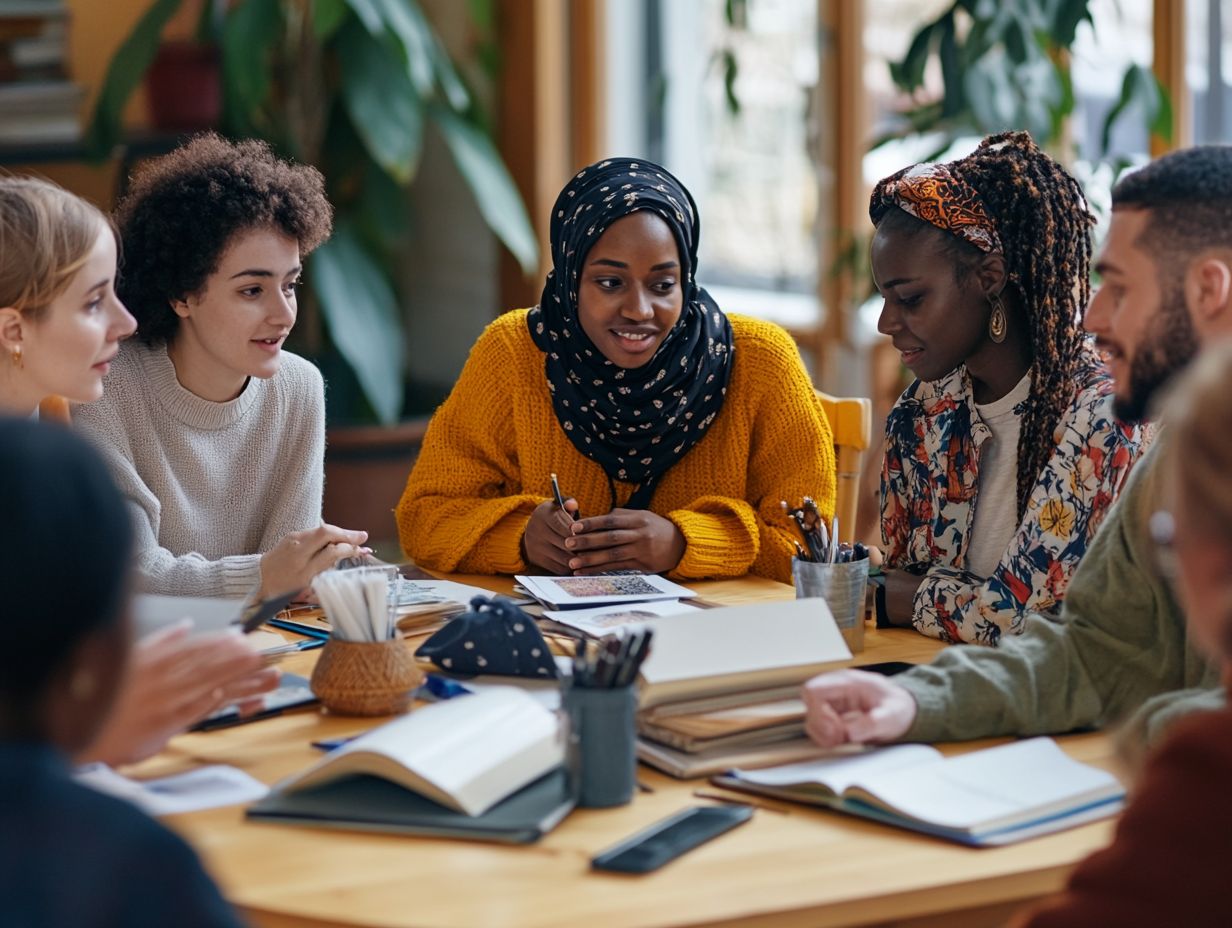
pixel 1004 454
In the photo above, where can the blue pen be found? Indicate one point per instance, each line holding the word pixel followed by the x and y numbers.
pixel 305 630
pixel 332 744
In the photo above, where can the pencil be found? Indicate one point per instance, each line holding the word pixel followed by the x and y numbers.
pixel 560 500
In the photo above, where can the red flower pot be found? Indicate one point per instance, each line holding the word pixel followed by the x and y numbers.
pixel 184 88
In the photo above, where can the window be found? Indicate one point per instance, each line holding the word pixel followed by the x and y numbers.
pixel 751 173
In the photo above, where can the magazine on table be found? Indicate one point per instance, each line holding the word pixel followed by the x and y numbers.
pixel 602 589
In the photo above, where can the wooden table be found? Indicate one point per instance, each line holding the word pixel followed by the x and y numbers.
pixel 793 867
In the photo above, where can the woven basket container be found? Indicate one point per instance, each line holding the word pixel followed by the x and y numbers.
pixel 365 677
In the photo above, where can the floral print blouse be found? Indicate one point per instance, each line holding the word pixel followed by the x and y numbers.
pixel 930 482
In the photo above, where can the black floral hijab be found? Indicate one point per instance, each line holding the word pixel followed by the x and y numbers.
pixel 636 423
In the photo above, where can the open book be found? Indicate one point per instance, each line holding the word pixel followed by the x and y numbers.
pixel 466 754
pixel 422 604
pixel 984 798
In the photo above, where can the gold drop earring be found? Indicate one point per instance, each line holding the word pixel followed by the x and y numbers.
pixel 998 322
pixel 18 361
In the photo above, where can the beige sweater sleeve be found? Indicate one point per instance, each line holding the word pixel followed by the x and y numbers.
pixel 211 487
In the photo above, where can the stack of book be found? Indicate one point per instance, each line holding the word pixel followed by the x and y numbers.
pixel 38 102
pixel 721 687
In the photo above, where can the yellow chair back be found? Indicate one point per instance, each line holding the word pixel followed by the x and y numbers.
pixel 851 421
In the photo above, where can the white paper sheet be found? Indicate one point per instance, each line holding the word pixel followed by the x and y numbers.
pixel 202 788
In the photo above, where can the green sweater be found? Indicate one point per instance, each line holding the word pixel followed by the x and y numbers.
pixel 1120 651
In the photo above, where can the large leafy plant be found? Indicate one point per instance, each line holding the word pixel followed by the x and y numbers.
pixel 1005 65
pixel 348 86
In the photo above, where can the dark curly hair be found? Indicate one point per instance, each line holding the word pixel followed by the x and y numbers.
pixel 1044 225
pixel 183 210
pixel 1188 197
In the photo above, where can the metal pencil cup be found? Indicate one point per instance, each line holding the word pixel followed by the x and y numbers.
pixel 603 748
pixel 842 587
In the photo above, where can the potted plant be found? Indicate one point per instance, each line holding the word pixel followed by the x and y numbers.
pixel 1007 66
pixel 348 86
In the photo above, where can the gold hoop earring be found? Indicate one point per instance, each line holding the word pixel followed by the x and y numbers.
pixel 998 322
pixel 18 361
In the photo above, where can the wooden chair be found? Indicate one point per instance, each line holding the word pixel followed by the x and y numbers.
pixel 55 409
pixel 851 421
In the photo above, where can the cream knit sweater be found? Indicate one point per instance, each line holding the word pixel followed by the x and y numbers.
pixel 212 485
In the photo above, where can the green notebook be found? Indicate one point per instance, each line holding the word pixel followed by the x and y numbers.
pixel 368 803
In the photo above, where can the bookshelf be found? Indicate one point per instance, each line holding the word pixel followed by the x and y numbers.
pixel 39 103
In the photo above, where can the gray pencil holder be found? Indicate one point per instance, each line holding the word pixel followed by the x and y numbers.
pixel 603 758
pixel 842 587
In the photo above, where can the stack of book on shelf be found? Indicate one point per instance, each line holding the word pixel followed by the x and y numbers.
pixel 38 102
pixel 721 686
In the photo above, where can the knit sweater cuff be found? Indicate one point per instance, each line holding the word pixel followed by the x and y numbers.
pixel 930 714
pixel 715 545
pixel 499 551
pixel 241 574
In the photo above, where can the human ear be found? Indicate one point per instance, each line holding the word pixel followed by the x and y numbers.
pixel 12 328
pixel 991 274
pixel 1208 289
pixel 180 308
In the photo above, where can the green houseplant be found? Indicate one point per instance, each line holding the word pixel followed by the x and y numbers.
pixel 348 86
pixel 1005 65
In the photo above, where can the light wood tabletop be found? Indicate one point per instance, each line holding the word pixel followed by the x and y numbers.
pixel 793 866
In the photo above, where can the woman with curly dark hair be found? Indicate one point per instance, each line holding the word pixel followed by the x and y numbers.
pixel 1004 454
pixel 215 434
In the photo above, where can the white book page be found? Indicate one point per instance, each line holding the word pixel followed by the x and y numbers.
pixel 993 788
pixel 564 592
pixel 475 750
pixel 608 619
pixel 201 788
pixel 208 614
pixel 840 771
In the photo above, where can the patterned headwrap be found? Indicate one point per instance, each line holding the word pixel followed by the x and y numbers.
pixel 937 195
pixel 635 422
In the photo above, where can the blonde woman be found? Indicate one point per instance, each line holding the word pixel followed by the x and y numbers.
pixel 60 326
pixel 1168 864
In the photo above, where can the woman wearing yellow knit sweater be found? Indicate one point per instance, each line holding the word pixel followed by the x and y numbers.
pixel 674 429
